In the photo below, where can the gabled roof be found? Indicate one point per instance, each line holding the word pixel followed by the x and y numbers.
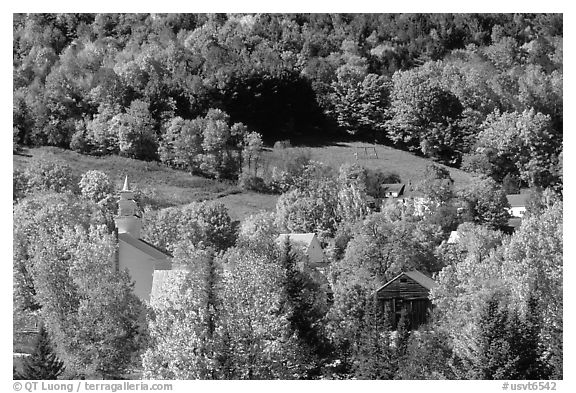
pixel 392 187
pixel 301 238
pixel 143 246
pixel 517 200
pixel 454 237
pixel 415 275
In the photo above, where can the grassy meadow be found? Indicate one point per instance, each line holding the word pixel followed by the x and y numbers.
pixel 171 187
pixel 407 165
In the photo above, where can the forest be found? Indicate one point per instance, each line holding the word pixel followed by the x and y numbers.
pixel 207 94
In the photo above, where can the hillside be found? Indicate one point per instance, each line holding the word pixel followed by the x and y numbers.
pixel 165 186
pixel 408 166
pixel 170 187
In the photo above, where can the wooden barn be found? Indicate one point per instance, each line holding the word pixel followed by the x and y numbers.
pixel 409 290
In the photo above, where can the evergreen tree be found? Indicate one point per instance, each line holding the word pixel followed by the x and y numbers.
pixel 402 334
pixel 42 364
pixel 303 313
pixel 374 356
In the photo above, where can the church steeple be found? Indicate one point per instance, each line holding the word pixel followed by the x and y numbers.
pixel 126 186
pixel 128 218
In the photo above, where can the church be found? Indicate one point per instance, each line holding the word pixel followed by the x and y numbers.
pixel 141 258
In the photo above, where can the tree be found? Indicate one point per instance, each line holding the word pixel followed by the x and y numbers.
pixel 38 219
pixel 485 203
pixel 360 100
pixel 88 307
pixel 47 175
pixel 305 306
pixel 185 323
pixel 424 115
pixel 428 356
pixel 252 150
pixel 373 356
pixel 95 186
pixel 521 143
pixel 204 222
pixel 437 185
pixel 507 345
pixel 135 131
pixel 42 364
pixel 181 144
pixel 259 336
pixel 533 260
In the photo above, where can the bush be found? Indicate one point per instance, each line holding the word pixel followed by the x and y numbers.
pixel 19 185
pixel 282 144
pixel 45 175
pixel 252 183
pixel 95 185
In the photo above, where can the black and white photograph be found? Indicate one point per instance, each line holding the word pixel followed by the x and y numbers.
pixel 287 196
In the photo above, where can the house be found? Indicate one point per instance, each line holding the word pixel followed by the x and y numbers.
pixel 308 243
pixel 454 237
pixel 139 257
pixel 394 190
pixel 410 291
pixel 517 204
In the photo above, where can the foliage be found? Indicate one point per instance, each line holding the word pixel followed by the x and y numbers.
pixel 259 339
pixel 96 186
pixel 484 202
pixel 89 308
pixel 521 143
pixel 507 345
pixel 437 184
pixel 46 175
pixel 185 328
pixel 42 364
pixel 135 131
pixel 205 222
pixel 36 219
pixel 373 357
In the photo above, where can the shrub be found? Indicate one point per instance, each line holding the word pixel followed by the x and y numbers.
pixel 95 185
pixel 19 185
pixel 252 183
pixel 282 144
pixel 45 175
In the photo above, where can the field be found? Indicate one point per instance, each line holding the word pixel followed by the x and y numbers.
pixel 166 186
pixel 408 166
pixel 170 187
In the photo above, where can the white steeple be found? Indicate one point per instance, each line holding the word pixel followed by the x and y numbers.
pixel 128 218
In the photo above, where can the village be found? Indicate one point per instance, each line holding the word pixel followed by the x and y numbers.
pixel 255 196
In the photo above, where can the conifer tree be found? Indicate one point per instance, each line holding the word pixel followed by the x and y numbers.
pixel 42 364
pixel 300 292
pixel 374 355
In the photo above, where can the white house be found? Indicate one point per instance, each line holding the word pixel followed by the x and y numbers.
pixel 141 258
pixel 309 244
pixel 454 237
pixel 392 190
pixel 517 204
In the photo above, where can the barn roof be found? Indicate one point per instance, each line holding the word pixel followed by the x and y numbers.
pixel 300 238
pixel 415 275
pixel 517 200
pixel 143 246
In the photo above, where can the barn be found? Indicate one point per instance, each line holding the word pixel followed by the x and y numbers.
pixel 410 291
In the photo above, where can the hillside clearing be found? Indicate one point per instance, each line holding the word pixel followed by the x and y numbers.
pixel 169 187
pixel 165 186
pixel 408 166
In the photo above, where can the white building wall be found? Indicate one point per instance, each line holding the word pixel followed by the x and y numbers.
pixel 140 267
